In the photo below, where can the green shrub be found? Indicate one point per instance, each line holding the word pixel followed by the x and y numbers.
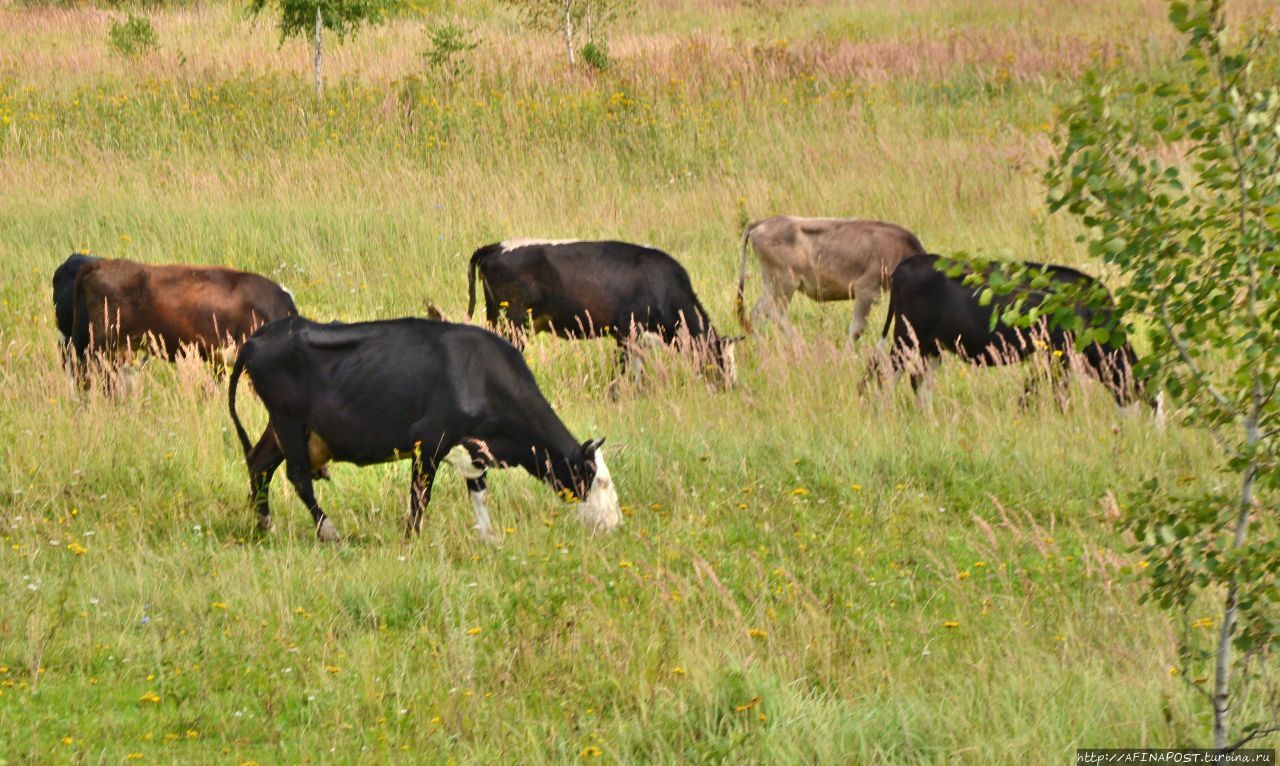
pixel 596 54
pixel 132 36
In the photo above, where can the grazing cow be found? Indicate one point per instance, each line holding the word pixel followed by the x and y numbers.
pixel 64 287
pixel 596 289
pixel 829 259
pixel 121 305
pixel 930 311
pixel 428 391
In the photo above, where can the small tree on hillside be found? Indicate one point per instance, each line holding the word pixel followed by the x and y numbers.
pixel 573 18
pixel 1178 184
pixel 342 17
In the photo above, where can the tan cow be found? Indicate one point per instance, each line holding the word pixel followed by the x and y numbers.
pixel 829 259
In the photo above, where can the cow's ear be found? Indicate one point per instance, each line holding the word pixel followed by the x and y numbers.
pixel 590 446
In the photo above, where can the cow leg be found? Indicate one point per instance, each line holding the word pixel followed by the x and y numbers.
pixel 471 462
pixel 479 493
pixel 862 303
pixel 293 442
pixel 424 476
pixel 630 364
pixel 773 303
pixel 922 378
pixel 263 460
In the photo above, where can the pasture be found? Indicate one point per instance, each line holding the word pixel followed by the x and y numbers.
pixel 807 573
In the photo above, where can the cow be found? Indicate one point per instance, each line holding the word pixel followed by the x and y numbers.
pixel 828 259
pixel 415 389
pixel 931 311
pixel 64 287
pixel 120 306
pixel 575 289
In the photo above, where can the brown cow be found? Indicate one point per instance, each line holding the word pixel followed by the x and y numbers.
pixel 829 259
pixel 121 306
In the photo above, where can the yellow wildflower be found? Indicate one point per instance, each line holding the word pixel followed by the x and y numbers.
pixel 151 697
pixel 474 631
pixel 951 624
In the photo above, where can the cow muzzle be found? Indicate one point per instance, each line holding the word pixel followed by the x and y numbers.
pixel 600 512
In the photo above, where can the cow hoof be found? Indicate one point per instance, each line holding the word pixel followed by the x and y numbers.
pixel 490 536
pixel 326 532
pixel 265 525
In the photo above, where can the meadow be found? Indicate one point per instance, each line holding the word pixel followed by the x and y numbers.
pixel 808 572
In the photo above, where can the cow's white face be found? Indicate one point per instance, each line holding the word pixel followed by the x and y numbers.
pixel 601 511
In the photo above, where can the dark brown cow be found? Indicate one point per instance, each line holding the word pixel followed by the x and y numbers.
pixel 121 306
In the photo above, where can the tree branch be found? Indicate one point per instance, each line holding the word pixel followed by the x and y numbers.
pixel 1187 359
pixel 1256 733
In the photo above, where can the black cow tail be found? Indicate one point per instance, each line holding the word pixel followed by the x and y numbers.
pixel 231 402
pixel 738 304
pixel 888 317
pixel 476 257
pixel 80 317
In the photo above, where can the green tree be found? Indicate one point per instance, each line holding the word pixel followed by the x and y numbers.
pixel 342 17
pixel 1177 181
pixel 574 19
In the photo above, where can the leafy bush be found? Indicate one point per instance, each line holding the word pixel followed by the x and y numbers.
pixel 596 54
pixel 132 36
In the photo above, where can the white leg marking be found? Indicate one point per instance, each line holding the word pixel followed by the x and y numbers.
pixel 479 504
pixel 601 509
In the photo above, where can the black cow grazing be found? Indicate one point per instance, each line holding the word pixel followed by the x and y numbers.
pixel 932 312
pixel 597 289
pixel 414 389
pixel 64 287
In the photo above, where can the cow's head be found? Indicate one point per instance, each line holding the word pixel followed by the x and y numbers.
pixel 585 477
pixel 722 365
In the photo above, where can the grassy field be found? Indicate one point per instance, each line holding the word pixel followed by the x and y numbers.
pixel 808 573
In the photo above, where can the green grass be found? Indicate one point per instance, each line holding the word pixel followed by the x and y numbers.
pixel 794 549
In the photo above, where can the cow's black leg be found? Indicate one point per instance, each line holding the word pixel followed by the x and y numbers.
pixel 293 442
pixel 424 476
pixel 263 460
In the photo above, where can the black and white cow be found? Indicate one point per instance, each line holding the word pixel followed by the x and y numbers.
pixel 64 290
pixel 597 289
pixel 414 389
pixel 930 311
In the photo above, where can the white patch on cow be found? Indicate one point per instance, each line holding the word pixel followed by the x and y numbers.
pixel 511 244
pixel 460 458
pixel 601 509
pixel 289 293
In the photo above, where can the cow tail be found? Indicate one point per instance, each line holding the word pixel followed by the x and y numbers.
pixel 80 314
pixel 231 402
pixel 738 304
pixel 888 317
pixel 476 258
